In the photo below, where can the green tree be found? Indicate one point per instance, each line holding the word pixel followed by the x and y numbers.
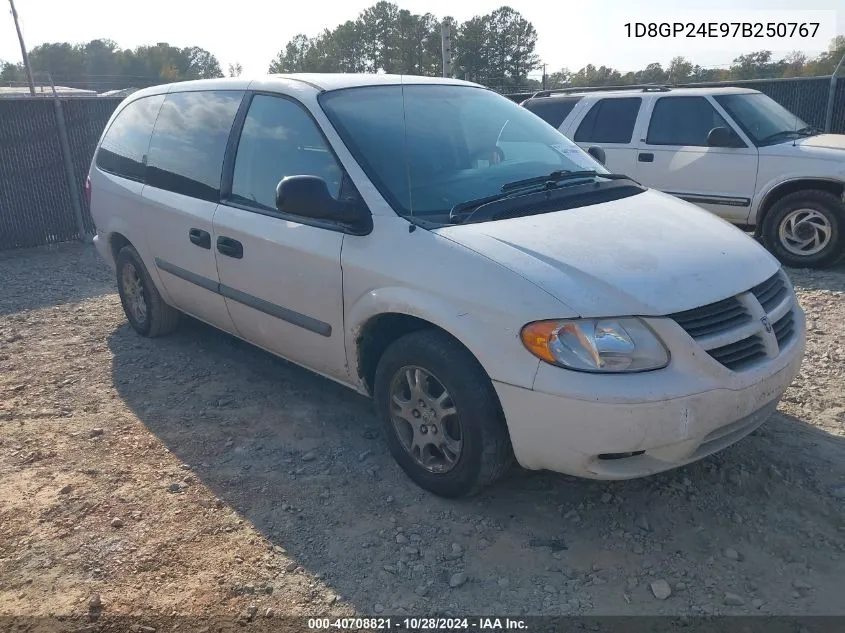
pixel 379 29
pixel 755 65
pixel 235 69
pixel 64 61
pixel 293 58
pixel 11 73
pixel 471 51
pixel 679 70
pixel 601 76
pixel 652 74
pixel 351 57
pixel 560 78
pixel 201 64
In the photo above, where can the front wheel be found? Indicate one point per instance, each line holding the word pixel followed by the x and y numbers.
pixel 805 229
pixel 440 414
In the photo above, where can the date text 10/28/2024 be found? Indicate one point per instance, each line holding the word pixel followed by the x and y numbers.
pixel 418 624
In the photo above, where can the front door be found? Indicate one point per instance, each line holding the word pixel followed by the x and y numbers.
pixel 281 278
pixel 675 157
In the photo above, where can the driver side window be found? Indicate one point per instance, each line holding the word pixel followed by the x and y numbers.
pixel 280 139
pixel 683 121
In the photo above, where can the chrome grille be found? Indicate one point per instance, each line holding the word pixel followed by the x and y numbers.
pixel 714 318
pixel 771 292
pixel 741 331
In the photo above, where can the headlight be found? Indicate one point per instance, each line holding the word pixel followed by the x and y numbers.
pixel 597 345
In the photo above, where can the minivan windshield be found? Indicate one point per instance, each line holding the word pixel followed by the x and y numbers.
pixel 430 148
pixel 764 119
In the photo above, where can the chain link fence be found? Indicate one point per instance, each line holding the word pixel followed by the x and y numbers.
pixel 36 193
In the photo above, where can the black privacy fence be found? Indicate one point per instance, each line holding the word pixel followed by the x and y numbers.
pixel 46 146
pixel 36 191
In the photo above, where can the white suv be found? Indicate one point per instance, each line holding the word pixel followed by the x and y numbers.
pixel 431 244
pixel 732 151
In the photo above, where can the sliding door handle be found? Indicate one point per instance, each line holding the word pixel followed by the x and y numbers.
pixel 230 247
pixel 200 238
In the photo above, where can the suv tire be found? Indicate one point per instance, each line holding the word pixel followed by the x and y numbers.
pixel 466 449
pixel 811 214
pixel 146 311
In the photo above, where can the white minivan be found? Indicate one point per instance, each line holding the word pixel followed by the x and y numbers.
pixel 433 245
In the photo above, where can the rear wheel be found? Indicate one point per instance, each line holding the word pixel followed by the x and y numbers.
pixel 441 415
pixel 146 311
pixel 805 229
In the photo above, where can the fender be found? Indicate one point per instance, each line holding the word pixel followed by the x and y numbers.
pixel 507 361
pixel 118 225
pixel 762 197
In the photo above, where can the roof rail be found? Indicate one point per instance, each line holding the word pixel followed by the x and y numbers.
pixel 641 87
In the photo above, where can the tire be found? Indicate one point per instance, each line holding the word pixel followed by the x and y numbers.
pixel 804 211
pixel 485 453
pixel 157 318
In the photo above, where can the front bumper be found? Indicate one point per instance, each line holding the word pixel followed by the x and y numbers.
pixel 659 415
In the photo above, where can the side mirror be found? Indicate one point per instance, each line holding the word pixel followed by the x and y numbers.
pixel 309 197
pixel 723 137
pixel 598 153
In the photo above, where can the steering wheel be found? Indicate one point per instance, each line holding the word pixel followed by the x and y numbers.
pixel 492 155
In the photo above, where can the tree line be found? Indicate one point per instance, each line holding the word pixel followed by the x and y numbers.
pixel 496 49
pixel 103 65
pixel 756 65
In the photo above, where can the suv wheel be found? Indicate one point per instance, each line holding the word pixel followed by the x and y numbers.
pixel 441 415
pixel 147 312
pixel 805 229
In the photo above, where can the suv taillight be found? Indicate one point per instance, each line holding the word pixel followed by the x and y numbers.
pixel 88 190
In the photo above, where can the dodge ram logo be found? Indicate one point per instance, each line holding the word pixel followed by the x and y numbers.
pixel 766 324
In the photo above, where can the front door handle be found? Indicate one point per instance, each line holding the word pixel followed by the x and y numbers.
pixel 230 247
pixel 200 238
pixel 645 157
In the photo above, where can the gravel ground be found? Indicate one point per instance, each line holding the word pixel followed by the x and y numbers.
pixel 197 475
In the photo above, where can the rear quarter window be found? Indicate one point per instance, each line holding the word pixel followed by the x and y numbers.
pixel 189 141
pixel 126 142
pixel 610 121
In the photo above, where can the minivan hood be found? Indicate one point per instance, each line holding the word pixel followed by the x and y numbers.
pixel 650 254
pixel 826 141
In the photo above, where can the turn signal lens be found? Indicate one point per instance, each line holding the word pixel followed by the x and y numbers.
pixel 596 345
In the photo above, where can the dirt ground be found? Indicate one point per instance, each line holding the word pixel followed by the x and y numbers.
pixel 197 475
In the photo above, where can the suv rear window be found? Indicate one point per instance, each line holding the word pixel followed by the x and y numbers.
pixel 125 144
pixel 609 121
pixel 189 140
pixel 553 110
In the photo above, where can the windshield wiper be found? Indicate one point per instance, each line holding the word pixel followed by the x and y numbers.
pixel 781 134
pixel 560 176
pixel 469 206
pixel 554 181
pixel 809 130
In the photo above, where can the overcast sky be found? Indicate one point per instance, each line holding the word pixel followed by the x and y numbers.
pixel 571 33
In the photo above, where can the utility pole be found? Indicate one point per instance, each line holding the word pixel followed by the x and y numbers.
pixel 544 76
pixel 23 49
pixel 446 48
